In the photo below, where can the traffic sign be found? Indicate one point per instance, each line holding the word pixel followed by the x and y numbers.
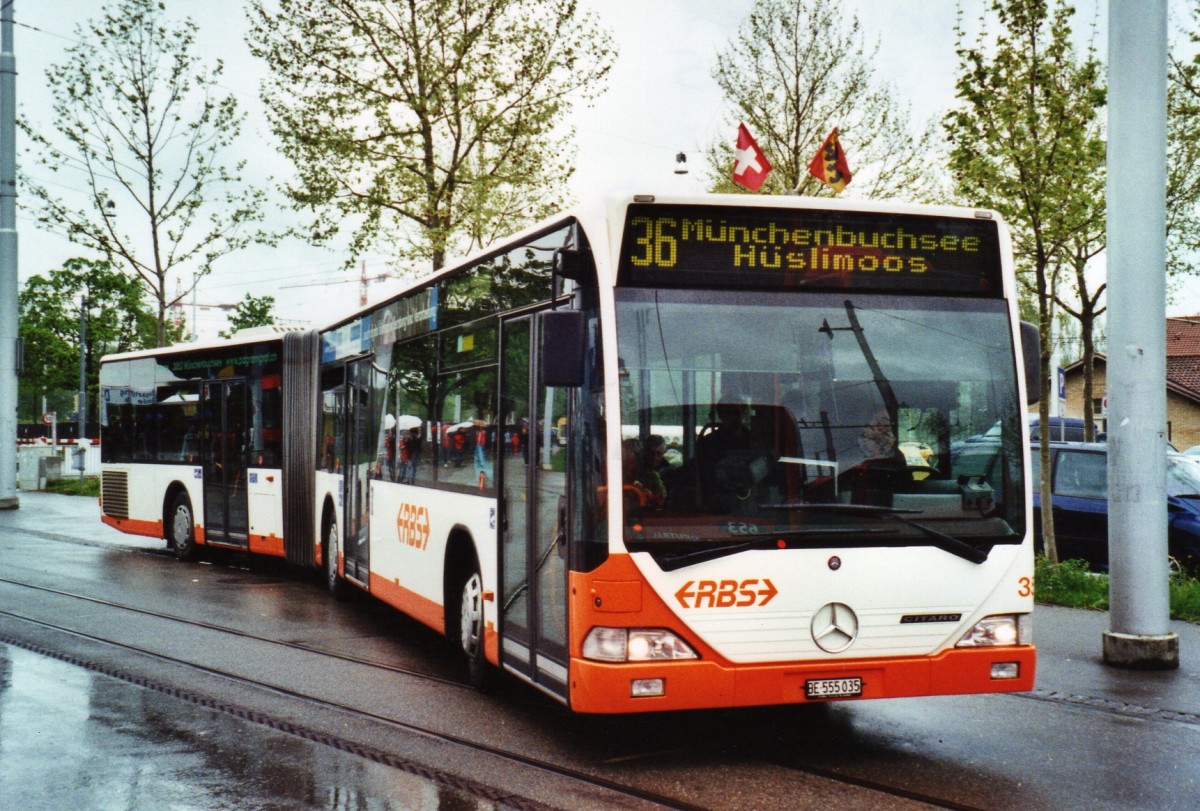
pixel 48 418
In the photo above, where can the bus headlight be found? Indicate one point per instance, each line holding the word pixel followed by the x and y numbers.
pixel 635 645
pixel 1000 630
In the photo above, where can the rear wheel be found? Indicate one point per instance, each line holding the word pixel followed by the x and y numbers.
pixel 183 528
pixel 470 628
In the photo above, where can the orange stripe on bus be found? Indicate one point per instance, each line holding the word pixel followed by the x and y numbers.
pixel 267 545
pixel 134 526
pixel 420 608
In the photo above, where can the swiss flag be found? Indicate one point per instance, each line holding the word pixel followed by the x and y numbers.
pixel 750 167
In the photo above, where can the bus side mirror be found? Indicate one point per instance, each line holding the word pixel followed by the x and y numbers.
pixel 562 348
pixel 1031 352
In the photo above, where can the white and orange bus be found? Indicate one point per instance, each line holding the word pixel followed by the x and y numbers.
pixel 677 452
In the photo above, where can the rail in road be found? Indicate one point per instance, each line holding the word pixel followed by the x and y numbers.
pixel 265 643
pixel 69 607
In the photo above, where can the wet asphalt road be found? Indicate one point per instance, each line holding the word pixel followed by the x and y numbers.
pixel 76 739
pixel 1089 737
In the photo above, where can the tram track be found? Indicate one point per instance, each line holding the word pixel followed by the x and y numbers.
pixel 334 740
pixel 342 743
pixel 1083 701
pixel 905 793
pixel 297 646
pixel 405 764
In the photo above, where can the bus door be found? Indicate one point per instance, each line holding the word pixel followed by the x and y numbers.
pixel 533 496
pixel 226 412
pixel 360 454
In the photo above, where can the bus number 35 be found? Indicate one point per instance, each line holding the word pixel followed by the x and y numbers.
pixel 657 248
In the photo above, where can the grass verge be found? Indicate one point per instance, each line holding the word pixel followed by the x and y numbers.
pixel 75 486
pixel 1070 584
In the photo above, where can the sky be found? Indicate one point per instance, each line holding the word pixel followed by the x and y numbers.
pixel 661 100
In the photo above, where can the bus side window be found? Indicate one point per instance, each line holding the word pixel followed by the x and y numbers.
pixel 330 437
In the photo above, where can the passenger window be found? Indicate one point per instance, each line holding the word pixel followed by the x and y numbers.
pixel 1084 475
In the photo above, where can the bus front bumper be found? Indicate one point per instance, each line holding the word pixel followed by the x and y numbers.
pixel 601 687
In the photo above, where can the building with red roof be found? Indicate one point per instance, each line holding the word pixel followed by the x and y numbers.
pixel 1183 383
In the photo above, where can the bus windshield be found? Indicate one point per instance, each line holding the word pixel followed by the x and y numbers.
pixel 780 420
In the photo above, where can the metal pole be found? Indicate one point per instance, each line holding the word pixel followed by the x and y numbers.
pixel 81 439
pixel 195 282
pixel 82 368
pixel 8 262
pixel 1139 633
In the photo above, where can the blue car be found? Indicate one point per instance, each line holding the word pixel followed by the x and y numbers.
pixel 1080 503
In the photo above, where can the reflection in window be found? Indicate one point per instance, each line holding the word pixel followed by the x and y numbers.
pixel 798 405
pixel 330 437
pixel 1084 475
pixel 468 431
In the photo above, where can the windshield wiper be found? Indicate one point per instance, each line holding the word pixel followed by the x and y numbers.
pixel 947 543
pixel 761 540
pixel 836 507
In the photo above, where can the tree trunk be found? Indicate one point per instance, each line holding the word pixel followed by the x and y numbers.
pixel 1089 374
pixel 1045 317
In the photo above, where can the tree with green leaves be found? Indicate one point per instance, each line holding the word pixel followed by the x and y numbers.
pixel 426 127
pixel 118 320
pixel 796 69
pixel 1025 141
pixel 1183 154
pixel 252 311
pixel 141 130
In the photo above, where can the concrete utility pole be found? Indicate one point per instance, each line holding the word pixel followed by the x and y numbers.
pixel 83 404
pixel 8 262
pixel 1139 635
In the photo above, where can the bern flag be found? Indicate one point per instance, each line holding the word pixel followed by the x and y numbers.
pixel 829 164
pixel 750 165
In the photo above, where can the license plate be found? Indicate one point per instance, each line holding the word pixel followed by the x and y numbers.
pixel 833 688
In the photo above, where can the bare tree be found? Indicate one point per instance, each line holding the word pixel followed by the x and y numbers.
pixel 796 69
pixel 141 132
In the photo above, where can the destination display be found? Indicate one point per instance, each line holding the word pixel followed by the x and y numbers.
pixel 727 246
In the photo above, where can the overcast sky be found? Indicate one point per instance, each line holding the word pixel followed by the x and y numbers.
pixel 661 100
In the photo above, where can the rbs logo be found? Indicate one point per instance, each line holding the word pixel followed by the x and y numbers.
pixel 726 593
pixel 412 525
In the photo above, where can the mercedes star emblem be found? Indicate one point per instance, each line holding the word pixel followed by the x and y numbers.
pixel 834 627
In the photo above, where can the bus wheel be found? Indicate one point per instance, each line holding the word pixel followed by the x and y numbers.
pixel 470 629
pixel 183 529
pixel 335 584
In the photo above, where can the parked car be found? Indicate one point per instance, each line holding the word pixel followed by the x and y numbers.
pixel 1080 503
pixel 1063 429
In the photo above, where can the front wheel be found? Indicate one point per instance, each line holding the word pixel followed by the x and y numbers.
pixel 334 583
pixel 183 529
pixel 470 629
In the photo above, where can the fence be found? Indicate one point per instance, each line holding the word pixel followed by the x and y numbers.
pixel 39 462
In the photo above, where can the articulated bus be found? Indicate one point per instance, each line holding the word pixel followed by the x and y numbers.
pixel 674 452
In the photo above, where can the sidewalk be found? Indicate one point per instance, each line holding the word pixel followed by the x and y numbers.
pixel 1070 666
pixel 76 517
